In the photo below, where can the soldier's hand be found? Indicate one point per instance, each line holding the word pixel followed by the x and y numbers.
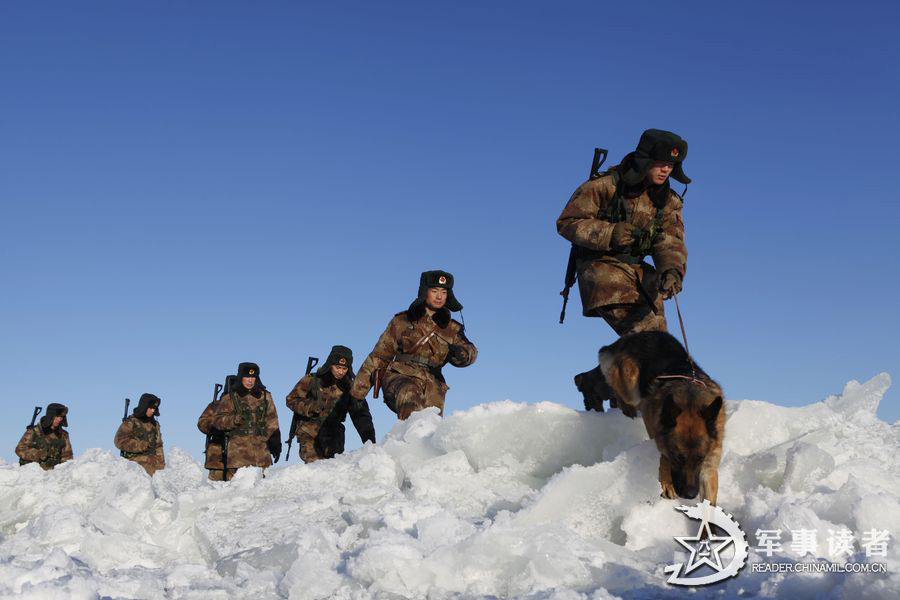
pixel 670 283
pixel 623 236
pixel 457 355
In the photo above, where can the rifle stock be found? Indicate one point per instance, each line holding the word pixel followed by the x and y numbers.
pixel 125 416
pixel 571 272
pixel 311 362
pixel 37 411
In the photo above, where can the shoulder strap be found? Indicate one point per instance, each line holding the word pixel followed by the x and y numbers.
pixel 614 211
pixel 316 388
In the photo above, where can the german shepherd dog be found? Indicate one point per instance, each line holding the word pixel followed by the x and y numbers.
pixel 681 406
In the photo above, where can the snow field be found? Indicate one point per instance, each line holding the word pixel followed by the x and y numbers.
pixel 502 500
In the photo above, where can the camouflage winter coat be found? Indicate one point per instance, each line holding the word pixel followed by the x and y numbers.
pixel 322 405
pixel 417 346
pixel 607 275
pixel 248 423
pixel 140 440
pixel 44 446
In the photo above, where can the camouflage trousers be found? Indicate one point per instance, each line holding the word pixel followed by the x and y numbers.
pixel 217 474
pixel 624 319
pixel 307 448
pixel 405 395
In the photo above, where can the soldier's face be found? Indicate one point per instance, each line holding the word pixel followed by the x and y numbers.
pixel 248 382
pixel 338 371
pixel 436 298
pixel 150 411
pixel 659 172
pixel 56 422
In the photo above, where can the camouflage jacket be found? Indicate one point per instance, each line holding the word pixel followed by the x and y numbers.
pixel 606 275
pixel 140 440
pixel 415 346
pixel 247 423
pixel 45 447
pixel 319 402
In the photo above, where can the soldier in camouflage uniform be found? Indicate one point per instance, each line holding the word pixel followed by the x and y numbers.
pixel 139 437
pixel 47 443
pixel 614 222
pixel 321 401
pixel 418 342
pixel 242 425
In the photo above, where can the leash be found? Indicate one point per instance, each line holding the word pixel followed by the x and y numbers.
pixel 693 376
pixel 681 323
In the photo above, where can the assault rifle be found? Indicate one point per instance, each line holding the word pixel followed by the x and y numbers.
pixel 37 411
pixel 311 362
pixel 571 273
pixel 125 416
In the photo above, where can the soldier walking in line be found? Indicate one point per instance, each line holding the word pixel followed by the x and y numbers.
pixel 615 220
pixel 408 357
pixel 139 437
pixel 241 426
pixel 46 443
pixel 321 402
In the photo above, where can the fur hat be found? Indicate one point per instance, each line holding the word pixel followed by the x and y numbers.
pixel 339 355
pixel 656 145
pixel 248 369
pixel 55 410
pixel 440 279
pixel 147 401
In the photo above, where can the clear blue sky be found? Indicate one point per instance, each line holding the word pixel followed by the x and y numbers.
pixel 190 185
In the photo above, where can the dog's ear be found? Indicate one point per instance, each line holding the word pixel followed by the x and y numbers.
pixel 669 414
pixel 710 414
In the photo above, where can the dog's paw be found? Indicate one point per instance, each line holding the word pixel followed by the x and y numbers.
pixel 668 491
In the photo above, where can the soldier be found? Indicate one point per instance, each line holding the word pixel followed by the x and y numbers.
pixel 614 222
pixel 139 437
pixel 321 401
pixel 417 343
pixel 47 443
pixel 244 426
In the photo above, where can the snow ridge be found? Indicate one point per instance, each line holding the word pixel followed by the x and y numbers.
pixel 504 500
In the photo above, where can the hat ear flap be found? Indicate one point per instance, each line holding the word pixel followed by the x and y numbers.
pixel 678 174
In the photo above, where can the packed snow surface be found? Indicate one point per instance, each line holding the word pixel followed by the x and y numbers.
pixel 504 500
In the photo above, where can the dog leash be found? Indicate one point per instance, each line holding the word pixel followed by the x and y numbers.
pixel 693 376
pixel 681 323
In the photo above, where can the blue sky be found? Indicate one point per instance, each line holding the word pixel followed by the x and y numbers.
pixel 191 185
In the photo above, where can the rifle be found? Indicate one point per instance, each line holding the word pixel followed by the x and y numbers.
pixel 571 273
pixel 311 362
pixel 125 416
pixel 37 411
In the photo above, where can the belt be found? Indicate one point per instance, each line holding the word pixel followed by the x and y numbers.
pixel 417 360
pixel 587 254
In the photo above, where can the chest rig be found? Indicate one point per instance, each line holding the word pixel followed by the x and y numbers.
pixel 254 420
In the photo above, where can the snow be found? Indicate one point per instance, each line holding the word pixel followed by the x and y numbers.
pixel 503 500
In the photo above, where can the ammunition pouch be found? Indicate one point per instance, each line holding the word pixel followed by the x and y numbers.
pixel 254 421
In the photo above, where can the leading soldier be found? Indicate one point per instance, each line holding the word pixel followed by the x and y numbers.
pixel 47 443
pixel 321 402
pixel 244 427
pixel 614 222
pixel 139 437
pixel 408 357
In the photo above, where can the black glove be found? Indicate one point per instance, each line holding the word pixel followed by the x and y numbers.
pixel 274 445
pixel 457 356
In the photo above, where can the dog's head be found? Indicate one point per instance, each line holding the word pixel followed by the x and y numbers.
pixel 691 422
